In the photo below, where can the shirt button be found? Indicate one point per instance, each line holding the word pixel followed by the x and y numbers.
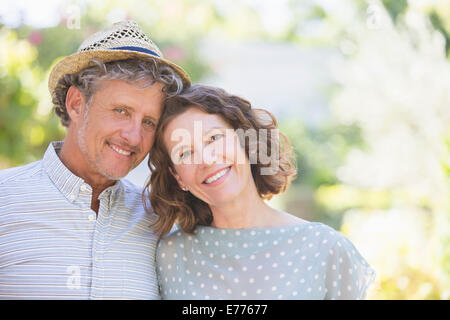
pixel 72 197
pixel 84 188
pixel 91 217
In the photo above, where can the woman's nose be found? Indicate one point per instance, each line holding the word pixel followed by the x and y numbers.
pixel 209 155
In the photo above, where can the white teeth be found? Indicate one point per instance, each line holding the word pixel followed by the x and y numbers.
pixel 123 152
pixel 217 176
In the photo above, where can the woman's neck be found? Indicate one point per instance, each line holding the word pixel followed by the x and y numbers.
pixel 251 213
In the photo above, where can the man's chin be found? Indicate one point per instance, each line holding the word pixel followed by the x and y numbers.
pixel 116 178
pixel 114 175
pixel 114 172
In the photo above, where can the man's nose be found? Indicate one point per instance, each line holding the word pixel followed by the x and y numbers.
pixel 132 134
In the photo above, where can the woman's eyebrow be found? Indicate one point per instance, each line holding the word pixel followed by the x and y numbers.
pixel 214 128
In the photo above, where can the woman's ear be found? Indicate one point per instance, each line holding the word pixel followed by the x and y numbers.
pixel 75 104
pixel 177 177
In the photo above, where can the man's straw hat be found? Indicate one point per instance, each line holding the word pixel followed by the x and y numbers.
pixel 124 40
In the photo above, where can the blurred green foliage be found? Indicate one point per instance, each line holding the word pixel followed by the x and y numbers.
pixel 23 131
pixel 395 7
pixel 319 151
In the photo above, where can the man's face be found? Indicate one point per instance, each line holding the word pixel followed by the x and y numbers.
pixel 118 128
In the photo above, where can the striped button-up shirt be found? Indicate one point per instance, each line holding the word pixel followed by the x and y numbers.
pixel 53 246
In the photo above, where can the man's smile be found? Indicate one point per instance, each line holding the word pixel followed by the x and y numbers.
pixel 121 150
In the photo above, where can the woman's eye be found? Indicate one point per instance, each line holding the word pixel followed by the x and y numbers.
pixel 215 137
pixel 185 154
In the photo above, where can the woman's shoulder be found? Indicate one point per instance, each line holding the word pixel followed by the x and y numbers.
pixel 174 235
pixel 169 245
pixel 315 235
pixel 301 226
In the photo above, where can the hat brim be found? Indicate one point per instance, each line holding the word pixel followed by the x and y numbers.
pixel 81 60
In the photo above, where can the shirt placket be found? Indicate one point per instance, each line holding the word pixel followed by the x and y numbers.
pixel 99 270
pixel 80 195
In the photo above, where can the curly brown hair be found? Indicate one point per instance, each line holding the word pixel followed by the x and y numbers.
pixel 170 203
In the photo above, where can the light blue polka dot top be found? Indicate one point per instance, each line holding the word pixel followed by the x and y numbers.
pixel 303 261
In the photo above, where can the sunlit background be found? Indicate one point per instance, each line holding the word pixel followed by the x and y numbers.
pixel 361 88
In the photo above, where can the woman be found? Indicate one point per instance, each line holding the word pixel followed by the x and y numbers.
pixel 230 243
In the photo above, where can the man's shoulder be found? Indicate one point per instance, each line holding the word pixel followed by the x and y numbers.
pixel 134 193
pixel 20 174
pixel 131 188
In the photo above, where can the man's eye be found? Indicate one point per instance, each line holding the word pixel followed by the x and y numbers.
pixel 149 123
pixel 120 111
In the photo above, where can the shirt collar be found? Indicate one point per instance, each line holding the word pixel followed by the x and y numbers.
pixel 68 183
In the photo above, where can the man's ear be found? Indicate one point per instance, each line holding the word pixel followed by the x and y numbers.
pixel 75 104
pixel 177 177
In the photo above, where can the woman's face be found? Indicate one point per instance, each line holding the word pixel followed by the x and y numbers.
pixel 207 157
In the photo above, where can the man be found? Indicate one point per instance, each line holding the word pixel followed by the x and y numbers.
pixel 70 226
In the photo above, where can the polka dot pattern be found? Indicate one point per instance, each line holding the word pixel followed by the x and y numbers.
pixel 304 261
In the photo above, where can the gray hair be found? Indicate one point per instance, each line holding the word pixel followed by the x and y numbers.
pixel 146 71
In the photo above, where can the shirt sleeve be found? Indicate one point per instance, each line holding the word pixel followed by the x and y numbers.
pixel 348 273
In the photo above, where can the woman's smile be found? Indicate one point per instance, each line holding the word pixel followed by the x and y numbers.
pixel 218 177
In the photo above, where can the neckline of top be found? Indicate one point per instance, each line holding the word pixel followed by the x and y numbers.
pixel 260 229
